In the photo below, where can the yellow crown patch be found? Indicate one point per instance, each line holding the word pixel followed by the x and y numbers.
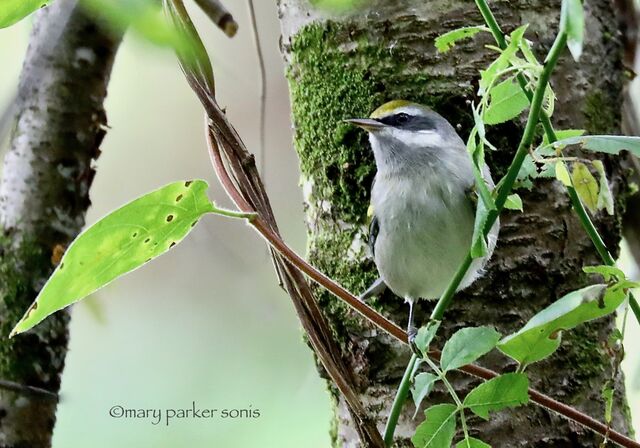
pixel 386 108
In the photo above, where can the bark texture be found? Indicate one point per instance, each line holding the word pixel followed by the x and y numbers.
pixel 345 66
pixel 44 194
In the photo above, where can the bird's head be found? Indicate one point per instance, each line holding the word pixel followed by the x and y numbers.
pixel 404 131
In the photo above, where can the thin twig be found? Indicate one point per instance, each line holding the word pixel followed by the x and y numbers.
pixel 32 391
pixel 219 16
pixel 263 91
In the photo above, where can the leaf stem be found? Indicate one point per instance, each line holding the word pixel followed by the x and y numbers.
pixel 250 216
pixel 398 401
pixel 453 394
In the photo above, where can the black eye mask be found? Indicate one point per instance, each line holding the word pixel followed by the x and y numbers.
pixel 403 120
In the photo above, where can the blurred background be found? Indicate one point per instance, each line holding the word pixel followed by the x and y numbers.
pixel 205 322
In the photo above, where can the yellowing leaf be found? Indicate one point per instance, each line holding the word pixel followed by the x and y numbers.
pixel 562 174
pixel 605 197
pixel 514 202
pixel 586 185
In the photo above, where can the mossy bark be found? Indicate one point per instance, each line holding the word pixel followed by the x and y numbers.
pixel 342 67
pixel 46 175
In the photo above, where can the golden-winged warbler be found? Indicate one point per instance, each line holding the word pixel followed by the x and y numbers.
pixel 423 201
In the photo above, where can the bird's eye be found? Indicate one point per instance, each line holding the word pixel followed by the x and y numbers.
pixel 402 118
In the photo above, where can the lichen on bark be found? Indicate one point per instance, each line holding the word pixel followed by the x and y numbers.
pixel 345 66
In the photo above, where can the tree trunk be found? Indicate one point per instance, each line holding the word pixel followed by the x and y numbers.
pixel 346 66
pixel 60 122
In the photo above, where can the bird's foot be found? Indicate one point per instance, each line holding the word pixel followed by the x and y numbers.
pixel 412 332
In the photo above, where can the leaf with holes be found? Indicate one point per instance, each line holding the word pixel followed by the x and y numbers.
pixel 540 337
pixel 466 345
pixel 505 391
pixel 447 41
pixel 119 243
pixel 438 429
pixel 12 11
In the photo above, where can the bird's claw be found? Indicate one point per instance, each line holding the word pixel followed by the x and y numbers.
pixel 412 332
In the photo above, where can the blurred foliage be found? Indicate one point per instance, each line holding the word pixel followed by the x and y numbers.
pixel 12 11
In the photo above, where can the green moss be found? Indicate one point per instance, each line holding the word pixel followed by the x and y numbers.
pixel 22 271
pixel 602 117
pixel 331 77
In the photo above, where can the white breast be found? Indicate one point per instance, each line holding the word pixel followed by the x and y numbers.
pixel 426 227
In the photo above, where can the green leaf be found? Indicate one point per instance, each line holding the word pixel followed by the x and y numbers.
pixel 466 345
pixel 119 243
pixel 472 442
pixel 605 197
pixel 586 185
pixel 422 385
pixel 337 6
pixel 488 76
pixel 607 395
pixel 528 172
pixel 438 429
pixel 514 202
pixel 549 100
pixel 540 337
pixel 507 102
pixel 12 11
pixel 609 144
pixel 144 17
pixel 447 41
pixel 479 242
pixel 607 272
pixel 562 174
pixel 506 391
pixel 572 22
pixel 562 134
pixel 426 334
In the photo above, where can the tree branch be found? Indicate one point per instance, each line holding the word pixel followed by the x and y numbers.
pixel 59 125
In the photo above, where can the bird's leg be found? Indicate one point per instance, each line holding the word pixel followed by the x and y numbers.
pixel 412 331
pixel 377 288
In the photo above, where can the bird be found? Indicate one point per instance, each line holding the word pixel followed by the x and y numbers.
pixel 423 201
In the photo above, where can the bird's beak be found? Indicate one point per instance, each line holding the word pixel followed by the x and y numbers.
pixel 367 124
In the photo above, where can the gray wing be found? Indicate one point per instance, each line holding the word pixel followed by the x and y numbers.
pixel 374 228
pixel 378 287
